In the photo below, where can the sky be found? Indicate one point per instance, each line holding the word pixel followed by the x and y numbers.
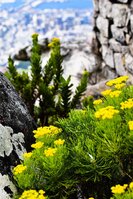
pixel 81 4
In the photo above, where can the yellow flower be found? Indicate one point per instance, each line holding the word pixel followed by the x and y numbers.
pixel 127 104
pixel 119 86
pixel 27 155
pixel 47 130
pixel 115 94
pixel 96 102
pixel 50 152
pixel 130 123
pixel 55 41
pixel 118 189
pixel 106 113
pixel 131 185
pixel 91 198
pixel 41 192
pixel 19 169
pixel 59 142
pixel 116 81
pixel 33 194
pixel 125 186
pixel 106 92
pixel 37 145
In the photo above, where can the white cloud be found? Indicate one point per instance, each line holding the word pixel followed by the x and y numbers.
pixel 45 1
pixel 7 1
pixel 61 1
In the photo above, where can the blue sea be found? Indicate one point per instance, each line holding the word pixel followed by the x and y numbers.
pixel 72 4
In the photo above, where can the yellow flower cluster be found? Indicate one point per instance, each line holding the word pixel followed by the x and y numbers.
pixel 131 185
pixel 19 169
pixel 106 92
pixel 106 113
pixel 37 145
pixel 59 142
pixel 118 189
pixel 119 86
pixel 50 152
pixel 111 93
pixel 27 155
pixel 47 130
pixel 115 94
pixel 127 104
pixel 116 81
pixel 96 102
pixel 130 123
pixel 33 194
pixel 55 41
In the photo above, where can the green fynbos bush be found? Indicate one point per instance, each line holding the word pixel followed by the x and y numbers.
pixel 94 150
pixel 46 85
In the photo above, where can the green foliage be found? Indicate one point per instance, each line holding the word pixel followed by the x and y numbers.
pixel 46 165
pixel 46 87
pixel 101 145
pixel 92 153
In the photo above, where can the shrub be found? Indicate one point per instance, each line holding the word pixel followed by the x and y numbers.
pixel 92 152
pixel 46 85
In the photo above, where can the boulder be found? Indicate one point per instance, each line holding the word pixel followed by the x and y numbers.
pixel 119 64
pixel 102 39
pixel 131 21
pixel 131 48
pixel 129 63
pixel 118 34
pixel 108 57
pixel 117 47
pixel 7 188
pixel 14 113
pixel 103 26
pixel 105 7
pixel 95 90
pixel 119 14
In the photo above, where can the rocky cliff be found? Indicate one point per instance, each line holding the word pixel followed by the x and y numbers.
pixel 113 29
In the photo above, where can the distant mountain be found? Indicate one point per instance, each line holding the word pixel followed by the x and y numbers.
pixel 24 17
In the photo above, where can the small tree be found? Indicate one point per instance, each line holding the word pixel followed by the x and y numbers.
pixel 47 85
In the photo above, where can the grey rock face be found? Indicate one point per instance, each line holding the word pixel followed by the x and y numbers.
pixel 123 1
pixel 113 25
pixel 116 46
pixel 131 21
pixel 119 14
pixel 119 65
pixel 11 150
pixel 14 113
pixel 108 56
pixel 105 7
pixel 102 25
pixel 11 144
pixel 129 63
pixel 118 34
pixel 6 184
